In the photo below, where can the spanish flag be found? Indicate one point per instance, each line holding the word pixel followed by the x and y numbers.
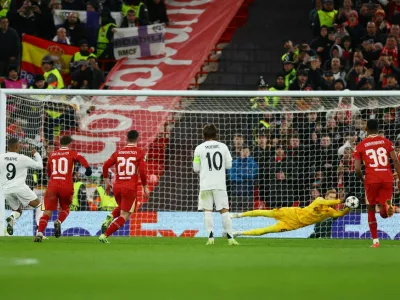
pixel 34 49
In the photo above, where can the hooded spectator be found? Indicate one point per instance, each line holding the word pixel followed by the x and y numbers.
pixel 335 52
pixel 354 28
pixel 325 16
pixel 76 31
pixel 61 37
pixel 13 81
pixel 10 54
pixel 157 12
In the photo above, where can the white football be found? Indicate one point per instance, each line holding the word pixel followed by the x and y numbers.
pixel 352 202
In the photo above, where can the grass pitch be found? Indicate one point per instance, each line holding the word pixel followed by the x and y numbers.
pixel 161 268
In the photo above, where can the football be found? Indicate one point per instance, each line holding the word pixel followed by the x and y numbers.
pixel 352 202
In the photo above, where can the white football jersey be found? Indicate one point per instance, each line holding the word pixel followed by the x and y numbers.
pixel 14 168
pixel 212 159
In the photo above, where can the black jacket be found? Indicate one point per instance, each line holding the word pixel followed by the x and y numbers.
pixel 13 42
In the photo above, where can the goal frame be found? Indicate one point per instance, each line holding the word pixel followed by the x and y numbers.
pixel 4 93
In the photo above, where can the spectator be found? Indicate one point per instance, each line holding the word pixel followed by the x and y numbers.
pixel 336 69
pixel 328 81
pixel 301 82
pixel 394 12
pixel 79 199
pixel 157 12
pixel 372 36
pixel 322 43
pixel 335 52
pixel 40 83
pixel 54 4
pixel 46 28
pixel 243 173
pixel 395 30
pixel 391 49
pixel 105 43
pixel 354 28
pixel 315 72
pixel 73 4
pixel 339 85
pixel 331 130
pixel 353 77
pixel 61 37
pixel 262 156
pixel 75 30
pixel 360 128
pixel 91 7
pixel 308 127
pixel 278 86
pixel 290 71
pixel 51 74
pixel 24 20
pixel 326 159
pixel 129 20
pixel 325 16
pixel 350 141
pixel 82 76
pixel 81 56
pixel 389 126
pixel 391 82
pixel 238 142
pixel 389 68
pixel 381 24
pixel 141 11
pixel 98 75
pixel 291 50
pixel 347 55
pixel 10 54
pixel 13 81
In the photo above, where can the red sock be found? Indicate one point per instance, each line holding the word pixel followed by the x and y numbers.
pixel 117 224
pixel 116 212
pixel 63 215
pixel 373 226
pixel 43 223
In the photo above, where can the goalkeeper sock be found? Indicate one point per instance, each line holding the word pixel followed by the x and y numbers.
pixel 15 215
pixel 116 212
pixel 227 224
pixel 209 222
pixel 63 215
pixel 373 226
pixel 43 223
pixel 117 224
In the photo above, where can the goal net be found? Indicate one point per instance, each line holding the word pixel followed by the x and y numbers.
pixel 288 149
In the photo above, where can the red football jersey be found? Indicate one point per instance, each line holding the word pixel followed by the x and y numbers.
pixel 374 151
pixel 129 162
pixel 60 167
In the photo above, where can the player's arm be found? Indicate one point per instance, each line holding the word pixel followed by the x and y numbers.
pixel 341 213
pixel 228 159
pixel 143 175
pixel 84 163
pixel 396 163
pixel 196 160
pixel 322 201
pixel 36 163
pixel 107 165
pixel 357 164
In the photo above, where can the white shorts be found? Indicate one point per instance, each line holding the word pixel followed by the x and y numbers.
pixel 17 196
pixel 207 199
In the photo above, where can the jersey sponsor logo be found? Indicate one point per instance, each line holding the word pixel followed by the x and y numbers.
pixel 60 153
pixel 127 152
pixel 374 143
pixel 212 147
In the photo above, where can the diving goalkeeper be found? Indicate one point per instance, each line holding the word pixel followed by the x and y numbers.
pixel 292 218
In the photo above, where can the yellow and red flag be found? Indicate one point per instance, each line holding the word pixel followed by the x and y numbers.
pixel 34 49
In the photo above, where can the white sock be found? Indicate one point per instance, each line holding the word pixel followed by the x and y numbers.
pixel 15 215
pixel 375 241
pixel 209 222
pixel 38 214
pixel 227 223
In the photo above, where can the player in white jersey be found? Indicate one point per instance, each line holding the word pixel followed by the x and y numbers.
pixel 13 172
pixel 211 160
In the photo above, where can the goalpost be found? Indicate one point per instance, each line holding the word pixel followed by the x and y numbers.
pixel 284 155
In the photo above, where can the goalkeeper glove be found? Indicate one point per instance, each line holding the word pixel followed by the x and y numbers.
pixel 88 171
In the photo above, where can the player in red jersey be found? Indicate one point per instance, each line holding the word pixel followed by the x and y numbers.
pixel 375 151
pixel 130 163
pixel 60 168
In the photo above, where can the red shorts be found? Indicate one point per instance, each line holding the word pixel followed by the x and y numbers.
pixel 53 196
pixel 125 198
pixel 378 193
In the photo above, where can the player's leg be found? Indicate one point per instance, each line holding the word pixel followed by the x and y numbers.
pixel 277 227
pixel 206 204
pixel 384 200
pixel 371 193
pixel 128 206
pixel 255 213
pixel 65 198
pixel 115 213
pixel 49 205
pixel 16 211
pixel 222 205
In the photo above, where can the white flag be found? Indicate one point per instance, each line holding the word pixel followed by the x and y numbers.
pixel 140 41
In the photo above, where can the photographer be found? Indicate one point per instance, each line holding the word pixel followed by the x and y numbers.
pixel 88 75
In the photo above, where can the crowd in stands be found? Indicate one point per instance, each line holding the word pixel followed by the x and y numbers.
pixel 355 46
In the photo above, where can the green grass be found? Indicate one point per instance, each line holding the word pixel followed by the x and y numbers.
pixel 161 268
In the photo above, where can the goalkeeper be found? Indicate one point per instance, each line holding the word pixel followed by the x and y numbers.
pixel 292 218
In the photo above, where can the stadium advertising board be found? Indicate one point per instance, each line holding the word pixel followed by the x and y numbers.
pixel 191 224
